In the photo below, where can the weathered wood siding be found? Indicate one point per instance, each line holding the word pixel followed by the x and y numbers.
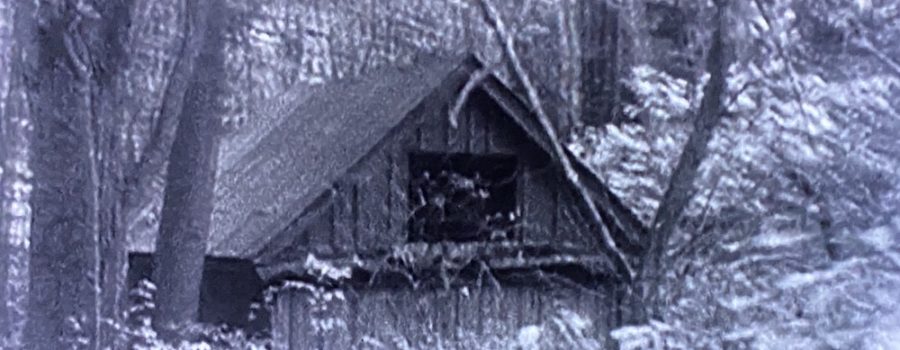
pixel 369 208
pixel 306 318
pixel 366 214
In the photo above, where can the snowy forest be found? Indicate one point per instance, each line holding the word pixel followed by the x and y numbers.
pixel 754 143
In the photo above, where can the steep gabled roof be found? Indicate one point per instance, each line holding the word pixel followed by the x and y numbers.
pixel 310 136
pixel 622 223
pixel 325 131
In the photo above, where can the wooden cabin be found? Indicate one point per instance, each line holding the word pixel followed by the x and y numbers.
pixel 373 215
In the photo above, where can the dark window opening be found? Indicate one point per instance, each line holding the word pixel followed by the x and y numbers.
pixel 462 197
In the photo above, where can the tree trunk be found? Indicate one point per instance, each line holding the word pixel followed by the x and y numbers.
pixel 121 104
pixel 110 130
pixel 599 36
pixel 78 248
pixel 190 180
pixel 681 184
pixel 610 88
pixel 82 84
pixel 6 55
pixel 63 304
pixel 15 213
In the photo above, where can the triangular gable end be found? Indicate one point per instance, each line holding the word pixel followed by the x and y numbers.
pixel 621 221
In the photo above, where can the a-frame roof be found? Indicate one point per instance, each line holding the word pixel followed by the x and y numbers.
pixel 328 128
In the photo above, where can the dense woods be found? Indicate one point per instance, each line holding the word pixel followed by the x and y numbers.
pixel 755 140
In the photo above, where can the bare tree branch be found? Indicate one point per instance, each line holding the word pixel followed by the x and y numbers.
pixel 681 184
pixel 474 81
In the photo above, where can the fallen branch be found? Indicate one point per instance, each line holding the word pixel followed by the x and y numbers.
pixel 506 39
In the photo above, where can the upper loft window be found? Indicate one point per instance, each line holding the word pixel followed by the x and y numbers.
pixel 461 197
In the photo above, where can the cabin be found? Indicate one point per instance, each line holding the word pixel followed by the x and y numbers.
pixel 367 213
pixel 372 214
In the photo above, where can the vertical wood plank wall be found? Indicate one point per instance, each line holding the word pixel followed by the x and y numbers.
pixel 370 203
pixel 424 317
pixel 368 214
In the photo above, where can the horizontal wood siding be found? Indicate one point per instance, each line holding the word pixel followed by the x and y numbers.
pixel 425 317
